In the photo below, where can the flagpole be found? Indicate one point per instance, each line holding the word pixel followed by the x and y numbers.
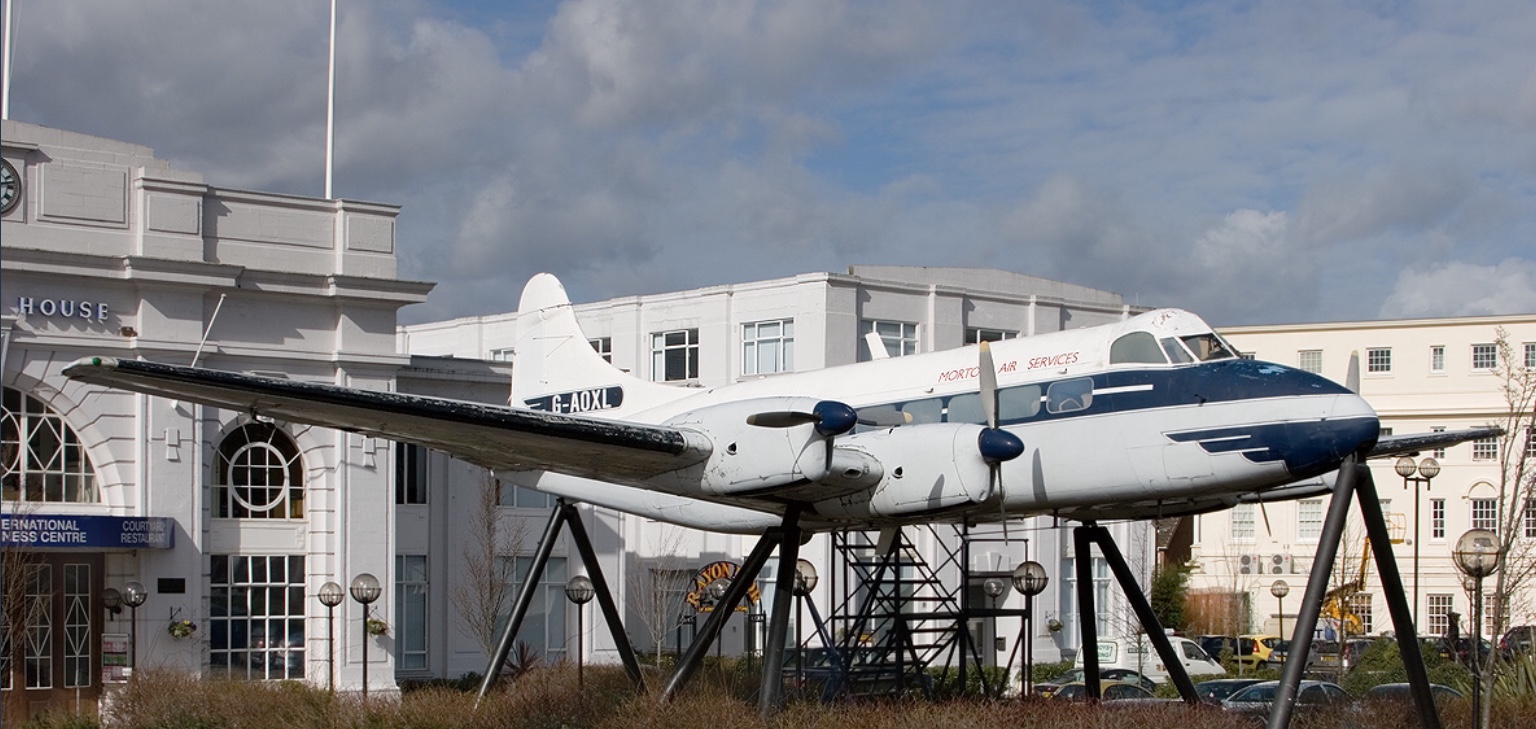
pixel 10 39
pixel 330 105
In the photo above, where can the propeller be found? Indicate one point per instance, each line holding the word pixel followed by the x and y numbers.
pixel 831 417
pixel 1352 378
pixel 996 445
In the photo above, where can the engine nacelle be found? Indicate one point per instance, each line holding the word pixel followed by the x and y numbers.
pixel 926 469
pixel 746 459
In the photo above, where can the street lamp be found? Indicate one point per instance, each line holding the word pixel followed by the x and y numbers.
pixel 1427 469
pixel 134 595
pixel 331 596
pixel 716 591
pixel 365 589
pixel 1030 580
pixel 1477 555
pixel 1280 589
pixel 805 581
pixel 579 591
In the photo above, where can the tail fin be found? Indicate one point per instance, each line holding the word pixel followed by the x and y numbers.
pixel 555 368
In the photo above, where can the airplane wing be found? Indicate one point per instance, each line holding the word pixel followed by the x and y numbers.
pixel 1400 445
pixel 487 435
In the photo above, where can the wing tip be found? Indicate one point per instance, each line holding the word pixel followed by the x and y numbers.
pixel 90 363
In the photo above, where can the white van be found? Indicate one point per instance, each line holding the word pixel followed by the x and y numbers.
pixel 1138 654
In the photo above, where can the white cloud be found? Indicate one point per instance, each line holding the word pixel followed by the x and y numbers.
pixel 1463 289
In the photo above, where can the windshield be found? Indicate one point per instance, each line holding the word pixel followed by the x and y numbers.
pixel 1260 692
pixel 1207 347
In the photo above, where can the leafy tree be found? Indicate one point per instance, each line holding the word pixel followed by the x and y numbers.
pixel 1169 593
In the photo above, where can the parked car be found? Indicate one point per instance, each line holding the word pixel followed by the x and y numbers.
pixel 1108 691
pixel 1253 651
pixel 1217 690
pixel 1257 698
pixel 1076 675
pixel 1402 692
pixel 1220 647
pixel 1138 654
pixel 1520 639
pixel 827 673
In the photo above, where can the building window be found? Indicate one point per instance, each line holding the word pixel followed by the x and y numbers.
pixel 1485 514
pixel 1437 452
pixel 1378 359
pixel 503 354
pixel 1530 355
pixel 77 625
pixel 260 474
pixel 1529 519
pixel 411 612
pixel 44 460
pixel 1310 360
pixel 1360 605
pixel 256 611
pixel 975 335
pixel 410 474
pixel 1440 608
pixel 603 346
pixel 518 497
pixel 1485 356
pixel 1492 614
pixel 1485 449
pixel 1437 358
pixel 1437 519
pixel 1242 523
pixel 899 338
pixel 768 347
pixel 1309 520
pixel 544 625
pixel 675 355
pixel 1530 441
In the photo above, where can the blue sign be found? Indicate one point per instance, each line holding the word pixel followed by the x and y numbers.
pixel 87 531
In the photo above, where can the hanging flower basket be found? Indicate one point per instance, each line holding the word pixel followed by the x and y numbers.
pixel 181 629
pixel 1053 625
pixel 377 627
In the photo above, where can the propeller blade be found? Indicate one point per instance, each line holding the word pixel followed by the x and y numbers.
pixel 1352 379
pixel 884 416
pixel 988 378
pixel 831 418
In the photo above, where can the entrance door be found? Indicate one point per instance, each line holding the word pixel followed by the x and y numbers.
pixel 50 647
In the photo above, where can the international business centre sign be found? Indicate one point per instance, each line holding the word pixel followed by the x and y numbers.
pixel 86 531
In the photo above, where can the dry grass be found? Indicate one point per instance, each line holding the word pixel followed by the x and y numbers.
pixel 552 699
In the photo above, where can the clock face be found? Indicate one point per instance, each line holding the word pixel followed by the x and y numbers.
pixel 10 188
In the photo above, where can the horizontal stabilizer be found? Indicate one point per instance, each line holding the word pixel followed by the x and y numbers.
pixel 493 436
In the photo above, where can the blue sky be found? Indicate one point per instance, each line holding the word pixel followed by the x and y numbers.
pixel 1254 162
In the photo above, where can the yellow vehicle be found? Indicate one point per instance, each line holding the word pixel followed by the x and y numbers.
pixel 1253 651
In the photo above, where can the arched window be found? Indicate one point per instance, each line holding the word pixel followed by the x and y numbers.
pixel 260 475
pixel 44 460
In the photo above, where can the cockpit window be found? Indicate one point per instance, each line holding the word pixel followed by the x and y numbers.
pixel 1207 347
pixel 1176 351
pixel 1138 347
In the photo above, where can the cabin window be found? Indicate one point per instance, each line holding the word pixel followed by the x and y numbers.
pixel 1017 403
pixel 1136 347
pixel 1069 395
pixel 1207 347
pixel 925 411
pixel 966 409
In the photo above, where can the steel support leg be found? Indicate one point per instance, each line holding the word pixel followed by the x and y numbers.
pixel 689 663
pixel 604 596
pixel 771 692
pixel 1317 588
pixel 1149 622
pixel 1397 602
pixel 524 599
pixel 1087 615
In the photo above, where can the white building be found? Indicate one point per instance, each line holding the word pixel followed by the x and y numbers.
pixel 228 523
pixel 1420 375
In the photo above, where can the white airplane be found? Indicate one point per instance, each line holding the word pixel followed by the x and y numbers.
pixel 1148 417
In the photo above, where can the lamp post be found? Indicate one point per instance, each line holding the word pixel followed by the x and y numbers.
pixel 331 596
pixel 365 589
pixel 134 595
pixel 1280 589
pixel 1426 469
pixel 805 581
pixel 1030 580
pixel 579 591
pixel 716 591
pixel 1477 555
